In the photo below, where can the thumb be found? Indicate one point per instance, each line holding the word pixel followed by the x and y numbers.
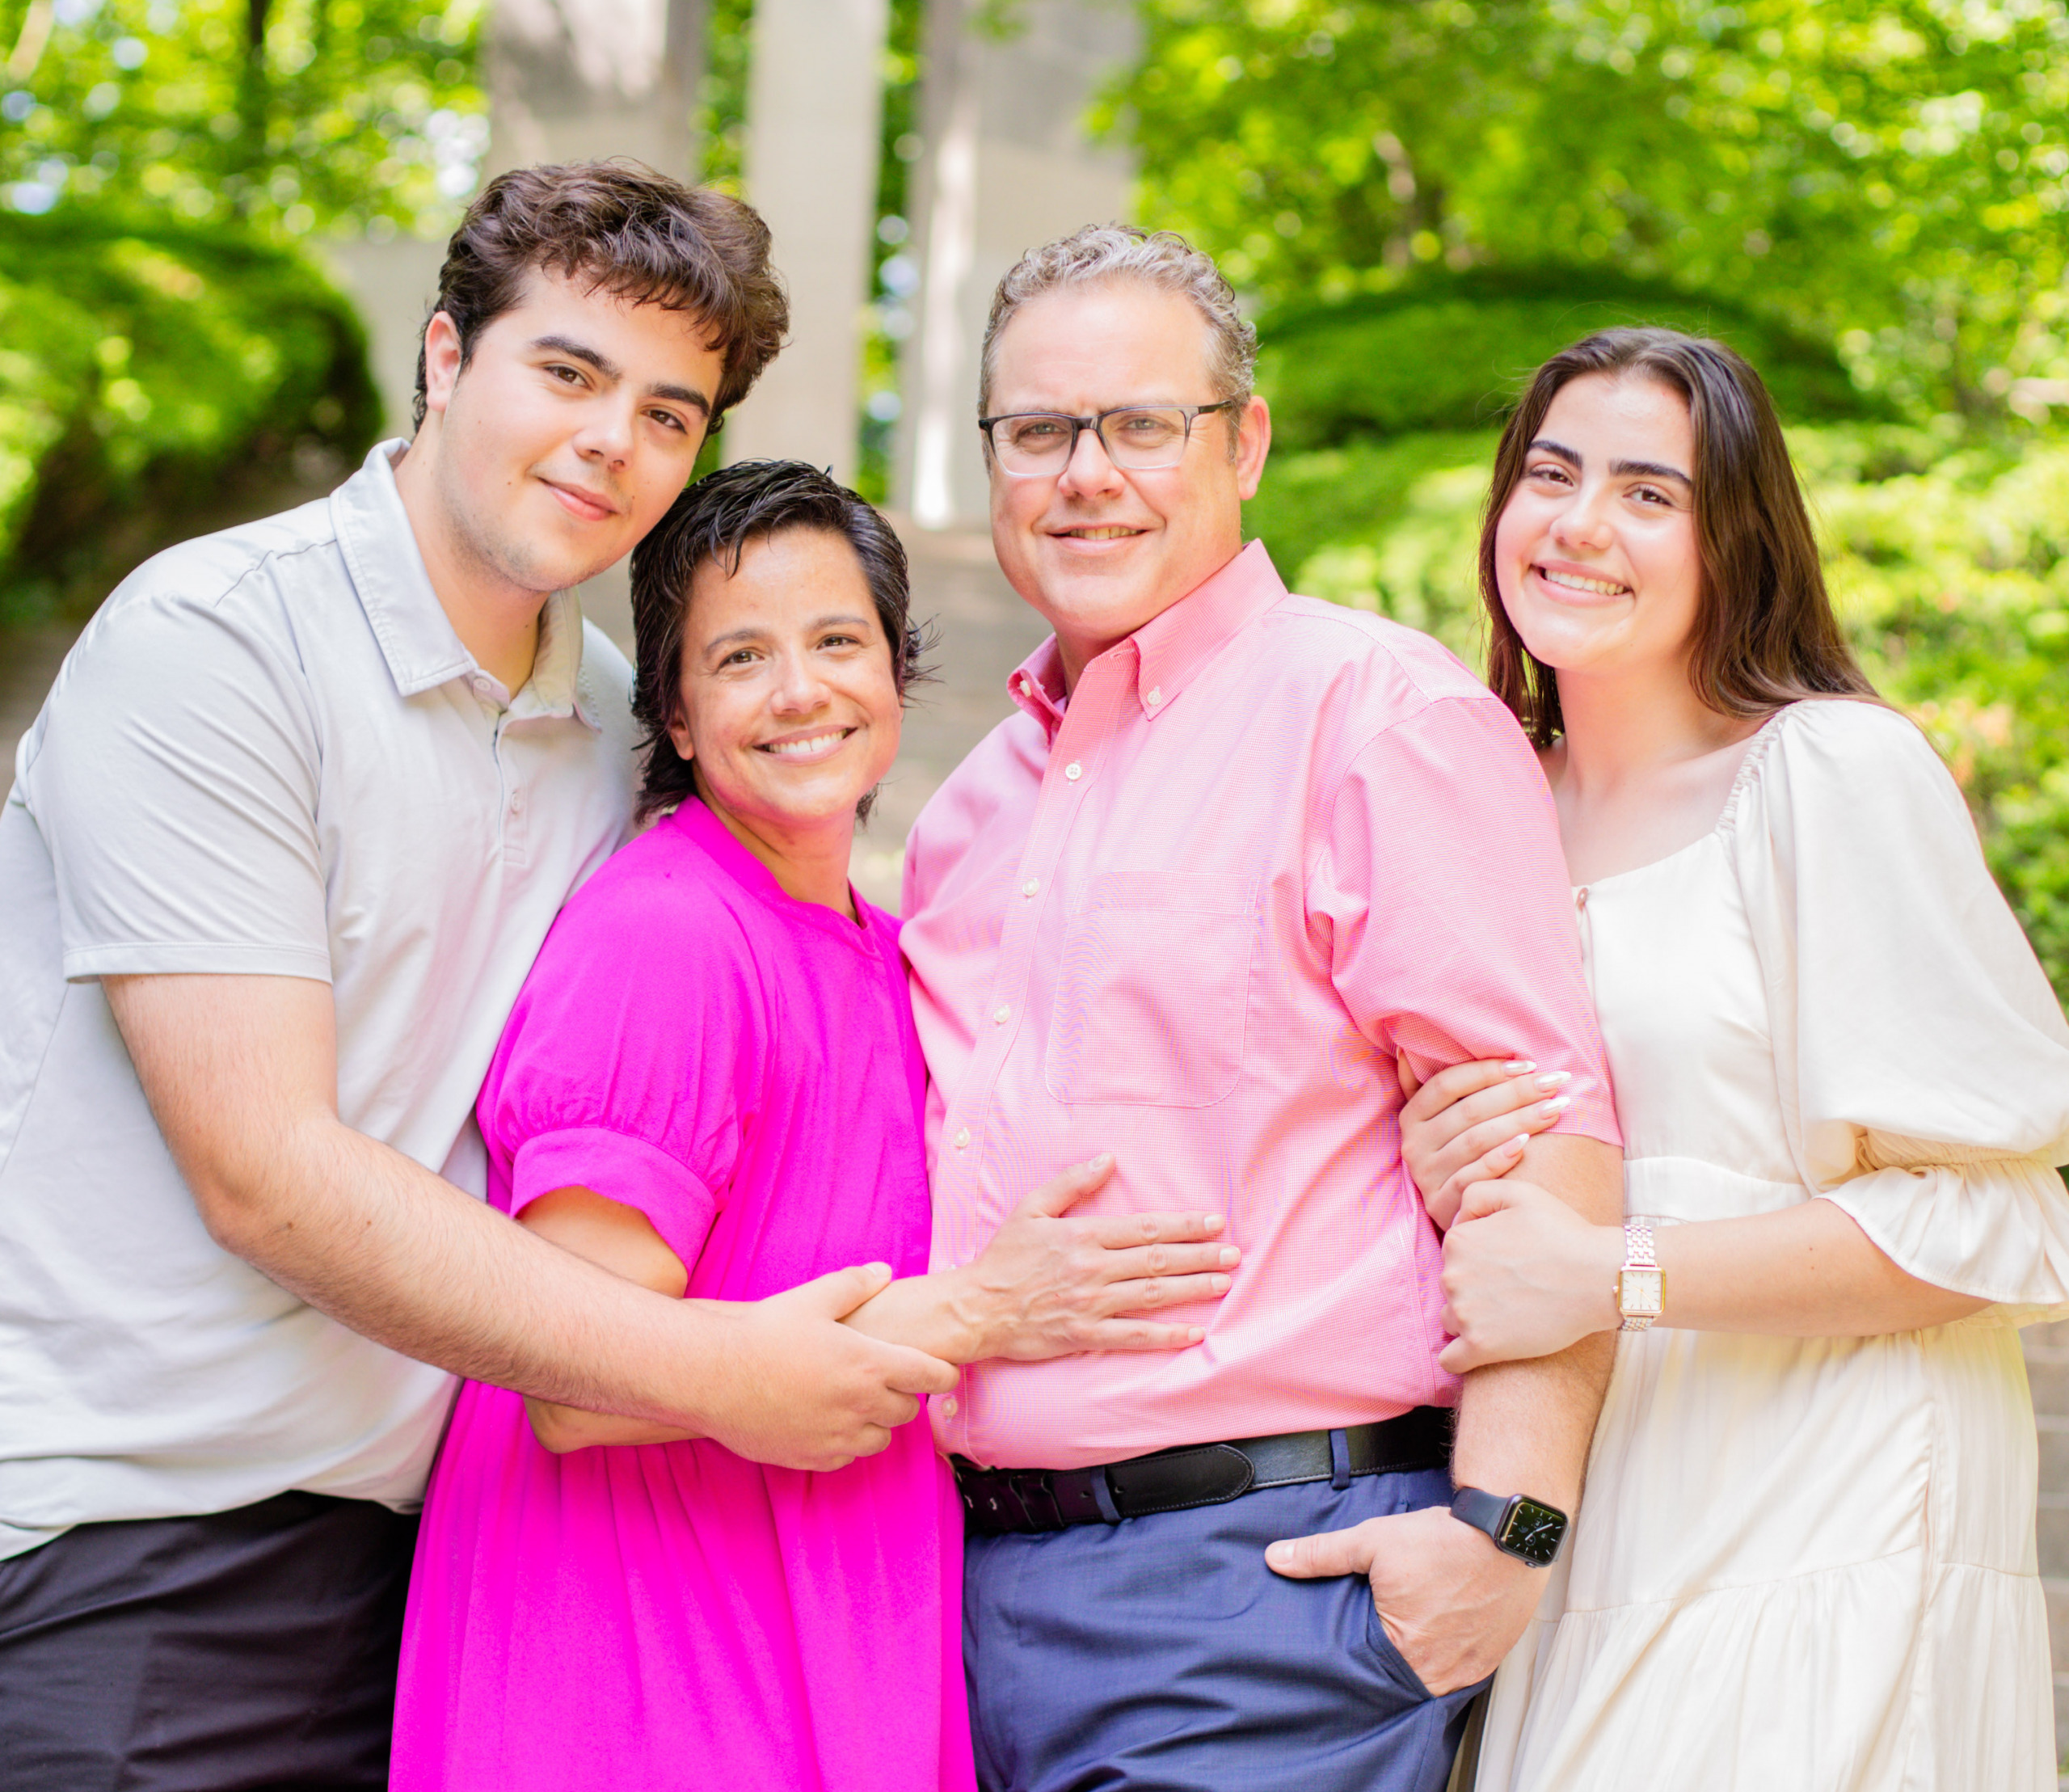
pixel 839 1294
pixel 1060 1193
pixel 1406 1072
pixel 1326 1553
pixel 1482 1199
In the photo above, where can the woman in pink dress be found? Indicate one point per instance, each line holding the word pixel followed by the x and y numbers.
pixel 712 1086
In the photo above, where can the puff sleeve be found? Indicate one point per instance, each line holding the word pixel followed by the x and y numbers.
pixel 633 1054
pixel 1922 1058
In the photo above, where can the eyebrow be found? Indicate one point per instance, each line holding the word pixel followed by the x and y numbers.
pixel 610 370
pixel 1643 470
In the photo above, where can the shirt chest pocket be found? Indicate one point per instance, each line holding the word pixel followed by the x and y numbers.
pixel 1153 992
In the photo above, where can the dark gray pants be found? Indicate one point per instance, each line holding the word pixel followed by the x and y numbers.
pixel 250 1649
pixel 1160 1654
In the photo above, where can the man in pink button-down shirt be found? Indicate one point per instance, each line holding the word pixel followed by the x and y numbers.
pixel 1238 851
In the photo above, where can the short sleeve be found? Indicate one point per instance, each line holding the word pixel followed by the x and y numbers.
pixel 632 1054
pixel 173 777
pixel 1442 889
pixel 1922 1058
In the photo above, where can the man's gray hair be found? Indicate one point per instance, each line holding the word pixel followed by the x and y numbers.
pixel 1162 258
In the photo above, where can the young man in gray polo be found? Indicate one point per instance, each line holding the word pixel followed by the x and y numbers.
pixel 281 846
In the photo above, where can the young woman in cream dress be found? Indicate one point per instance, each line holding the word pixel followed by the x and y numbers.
pixel 1805 1560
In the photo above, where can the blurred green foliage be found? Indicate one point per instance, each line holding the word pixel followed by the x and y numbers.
pixel 149 370
pixel 1883 175
pixel 1446 351
pixel 1950 566
pixel 167 357
pixel 292 114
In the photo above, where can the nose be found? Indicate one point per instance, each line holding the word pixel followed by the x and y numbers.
pixel 605 436
pixel 1583 521
pixel 1090 471
pixel 799 687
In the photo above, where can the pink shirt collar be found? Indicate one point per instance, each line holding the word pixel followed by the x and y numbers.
pixel 1169 648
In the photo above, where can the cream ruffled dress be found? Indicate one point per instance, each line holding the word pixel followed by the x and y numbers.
pixel 1809 1564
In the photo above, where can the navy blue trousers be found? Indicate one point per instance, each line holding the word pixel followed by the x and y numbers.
pixel 1160 1654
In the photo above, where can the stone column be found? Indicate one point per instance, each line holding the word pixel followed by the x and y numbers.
pixel 1007 165
pixel 572 80
pixel 815 112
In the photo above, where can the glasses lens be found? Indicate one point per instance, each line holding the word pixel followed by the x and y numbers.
pixel 1035 444
pixel 1154 436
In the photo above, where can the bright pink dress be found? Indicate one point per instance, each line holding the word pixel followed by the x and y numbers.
pixel 742 1068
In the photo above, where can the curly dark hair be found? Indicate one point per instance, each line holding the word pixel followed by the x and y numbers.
pixel 714 520
pixel 632 232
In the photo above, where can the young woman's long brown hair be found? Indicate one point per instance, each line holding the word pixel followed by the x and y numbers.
pixel 1765 633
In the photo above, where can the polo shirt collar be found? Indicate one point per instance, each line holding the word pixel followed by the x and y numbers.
pixel 416 638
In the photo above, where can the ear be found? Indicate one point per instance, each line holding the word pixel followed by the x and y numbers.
pixel 678 739
pixel 441 361
pixel 1253 443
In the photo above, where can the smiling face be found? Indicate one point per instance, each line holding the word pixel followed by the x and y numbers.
pixel 790 709
pixel 1595 553
pixel 568 433
pixel 1097 551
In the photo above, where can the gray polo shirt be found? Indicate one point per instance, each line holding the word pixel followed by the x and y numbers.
pixel 268 754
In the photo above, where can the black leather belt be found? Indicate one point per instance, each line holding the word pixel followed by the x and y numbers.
pixel 1001 1500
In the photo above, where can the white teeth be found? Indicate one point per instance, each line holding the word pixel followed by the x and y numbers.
pixel 1572 581
pixel 1099 534
pixel 793 747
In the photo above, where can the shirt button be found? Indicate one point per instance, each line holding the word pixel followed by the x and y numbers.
pixel 516 802
pixel 1074 771
pixel 948 1404
pixel 1156 696
pixel 962 1137
pixel 1032 885
pixel 1001 1014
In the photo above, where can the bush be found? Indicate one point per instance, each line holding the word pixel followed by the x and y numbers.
pixel 153 370
pixel 1450 351
pixel 1949 565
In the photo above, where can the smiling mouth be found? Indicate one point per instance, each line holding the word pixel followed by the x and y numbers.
pixel 1572 581
pixel 582 503
pixel 1099 532
pixel 805 747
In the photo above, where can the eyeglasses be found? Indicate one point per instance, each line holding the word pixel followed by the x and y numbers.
pixel 1138 438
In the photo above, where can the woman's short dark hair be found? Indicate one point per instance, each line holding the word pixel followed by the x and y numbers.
pixel 1765 634
pixel 633 233
pixel 714 520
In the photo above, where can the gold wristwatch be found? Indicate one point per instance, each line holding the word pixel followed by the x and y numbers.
pixel 1641 1283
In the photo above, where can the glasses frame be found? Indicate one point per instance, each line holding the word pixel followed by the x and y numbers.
pixel 1098 425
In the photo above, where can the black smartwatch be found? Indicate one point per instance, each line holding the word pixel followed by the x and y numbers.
pixel 1525 1528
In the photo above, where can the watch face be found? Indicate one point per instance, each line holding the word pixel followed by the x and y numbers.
pixel 1534 1533
pixel 1641 1293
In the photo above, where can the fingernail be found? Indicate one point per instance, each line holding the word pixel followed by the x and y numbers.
pixel 1195 1334
pixel 1213 1223
pixel 1230 1257
pixel 1101 1161
pixel 1518 1144
pixel 1557 1105
pixel 1220 1284
pixel 1553 1078
pixel 1279 1554
pixel 1515 1067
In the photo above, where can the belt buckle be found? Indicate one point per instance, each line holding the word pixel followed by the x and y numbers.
pixel 1036 1499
